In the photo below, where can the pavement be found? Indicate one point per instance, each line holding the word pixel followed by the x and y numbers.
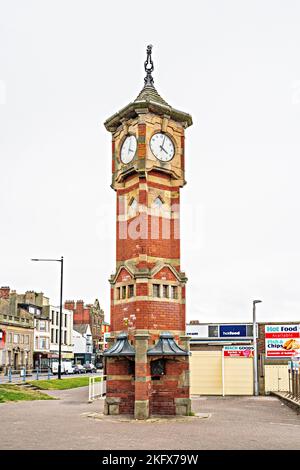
pixel 224 423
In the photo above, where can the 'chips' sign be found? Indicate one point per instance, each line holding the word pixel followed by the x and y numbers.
pixel 282 340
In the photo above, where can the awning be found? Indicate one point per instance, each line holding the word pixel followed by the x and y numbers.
pixel 121 347
pixel 167 346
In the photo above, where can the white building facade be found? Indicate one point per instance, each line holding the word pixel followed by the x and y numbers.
pixel 67 333
pixel 83 344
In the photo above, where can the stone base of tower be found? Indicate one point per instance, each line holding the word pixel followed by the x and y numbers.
pixel 142 394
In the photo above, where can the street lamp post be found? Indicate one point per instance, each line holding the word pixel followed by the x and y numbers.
pixel 255 371
pixel 61 261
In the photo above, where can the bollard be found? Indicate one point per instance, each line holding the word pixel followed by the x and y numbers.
pixel 9 375
pixel 37 373
pixel 24 374
pixel 48 373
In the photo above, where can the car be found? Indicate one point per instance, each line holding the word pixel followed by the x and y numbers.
pixel 90 368
pixel 79 369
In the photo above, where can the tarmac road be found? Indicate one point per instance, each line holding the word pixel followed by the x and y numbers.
pixel 233 423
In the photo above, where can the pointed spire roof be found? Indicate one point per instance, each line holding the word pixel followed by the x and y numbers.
pixel 149 92
pixel 149 100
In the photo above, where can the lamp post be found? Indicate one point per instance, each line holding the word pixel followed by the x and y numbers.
pixel 256 389
pixel 61 261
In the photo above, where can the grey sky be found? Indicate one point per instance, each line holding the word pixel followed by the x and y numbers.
pixel 67 65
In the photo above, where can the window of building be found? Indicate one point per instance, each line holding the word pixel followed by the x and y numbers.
pixel 26 339
pixel 131 368
pixel 249 330
pixel 52 317
pixel 123 292
pixel 52 335
pixel 158 369
pixel 56 336
pixel 16 338
pixel 65 337
pixel 133 206
pixel 166 291
pixel 57 322
pixel 22 339
pixel 174 292
pixel 118 293
pixel 156 290
pixel 42 325
pixel 43 343
pixel 10 337
pixel 66 320
pixel 213 331
pixel 158 203
pixel 130 290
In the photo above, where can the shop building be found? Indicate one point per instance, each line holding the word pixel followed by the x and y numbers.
pixel 67 333
pixel 16 333
pixel 221 360
pixel 34 303
pixel 83 344
pixel 93 315
pixel 278 351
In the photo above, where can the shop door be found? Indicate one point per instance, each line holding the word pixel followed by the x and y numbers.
pixel 206 372
pixel 16 361
pixel 276 378
pixel 238 376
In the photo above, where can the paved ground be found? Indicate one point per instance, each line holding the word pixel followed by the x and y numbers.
pixel 234 423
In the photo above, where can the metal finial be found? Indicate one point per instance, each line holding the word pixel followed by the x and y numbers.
pixel 149 67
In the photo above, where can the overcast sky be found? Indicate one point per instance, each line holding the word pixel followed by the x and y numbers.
pixel 67 65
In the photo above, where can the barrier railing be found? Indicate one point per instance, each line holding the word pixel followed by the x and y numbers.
pixel 22 374
pixel 294 383
pixel 97 387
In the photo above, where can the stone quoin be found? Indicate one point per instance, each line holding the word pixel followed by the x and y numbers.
pixel 147 363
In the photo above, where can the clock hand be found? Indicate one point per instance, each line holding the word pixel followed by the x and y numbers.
pixel 163 149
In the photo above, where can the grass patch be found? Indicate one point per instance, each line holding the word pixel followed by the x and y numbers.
pixel 10 392
pixel 63 384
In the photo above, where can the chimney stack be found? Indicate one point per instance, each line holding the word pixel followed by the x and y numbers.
pixel 4 292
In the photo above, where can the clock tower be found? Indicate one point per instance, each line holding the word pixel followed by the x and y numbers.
pixel 147 363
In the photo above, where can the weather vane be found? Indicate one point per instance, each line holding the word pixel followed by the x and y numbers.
pixel 149 67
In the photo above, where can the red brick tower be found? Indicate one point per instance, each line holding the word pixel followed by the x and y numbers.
pixel 148 358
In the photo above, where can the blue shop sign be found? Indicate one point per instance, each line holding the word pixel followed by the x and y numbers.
pixel 233 331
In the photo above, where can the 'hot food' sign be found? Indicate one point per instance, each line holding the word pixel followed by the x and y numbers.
pixel 282 340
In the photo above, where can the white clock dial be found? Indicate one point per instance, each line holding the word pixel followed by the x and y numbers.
pixel 162 147
pixel 128 149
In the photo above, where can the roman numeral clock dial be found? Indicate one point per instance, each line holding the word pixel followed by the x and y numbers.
pixel 162 147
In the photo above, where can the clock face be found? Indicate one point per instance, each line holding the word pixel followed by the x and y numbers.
pixel 162 147
pixel 128 149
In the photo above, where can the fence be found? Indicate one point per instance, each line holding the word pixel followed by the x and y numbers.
pixel 294 383
pixel 22 374
pixel 97 387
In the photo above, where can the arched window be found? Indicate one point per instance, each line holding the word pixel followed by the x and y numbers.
pixel 158 203
pixel 133 206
